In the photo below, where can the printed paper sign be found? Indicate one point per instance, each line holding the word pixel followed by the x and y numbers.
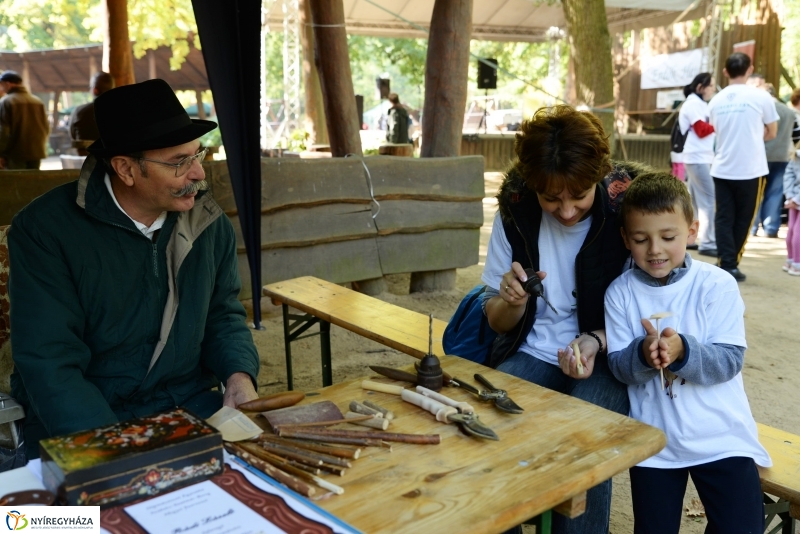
pixel 672 70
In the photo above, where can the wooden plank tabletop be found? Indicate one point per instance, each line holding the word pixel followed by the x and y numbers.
pixel 783 478
pixel 557 449
pixel 388 324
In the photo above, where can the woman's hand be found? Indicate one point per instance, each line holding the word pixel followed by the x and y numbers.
pixel 569 363
pixel 511 285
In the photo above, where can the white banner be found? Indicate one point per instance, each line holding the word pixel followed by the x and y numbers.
pixel 672 70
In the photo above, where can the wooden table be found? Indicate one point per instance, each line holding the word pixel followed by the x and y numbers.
pixel 556 450
pixel 327 303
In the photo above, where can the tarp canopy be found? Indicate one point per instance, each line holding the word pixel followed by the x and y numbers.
pixel 492 20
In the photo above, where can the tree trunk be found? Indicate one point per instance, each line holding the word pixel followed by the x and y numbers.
pixel 446 71
pixel 590 46
pixel 117 53
pixel 315 112
pixel 336 79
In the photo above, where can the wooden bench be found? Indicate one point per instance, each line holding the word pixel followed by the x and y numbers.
pixel 325 303
pixel 782 480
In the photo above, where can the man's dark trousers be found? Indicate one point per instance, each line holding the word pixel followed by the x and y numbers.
pixel 736 208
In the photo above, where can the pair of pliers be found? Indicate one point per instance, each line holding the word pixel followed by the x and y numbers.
pixel 444 408
pixel 498 396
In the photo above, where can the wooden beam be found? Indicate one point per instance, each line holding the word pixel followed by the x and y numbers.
pixel 315 108
pixel 446 70
pixel 152 72
pixel 201 110
pixel 336 79
pixel 117 53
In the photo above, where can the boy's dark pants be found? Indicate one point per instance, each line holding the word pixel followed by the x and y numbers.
pixel 730 490
pixel 737 201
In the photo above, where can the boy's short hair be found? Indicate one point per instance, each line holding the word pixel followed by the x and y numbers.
pixel 561 147
pixel 657 192
pixel 737 64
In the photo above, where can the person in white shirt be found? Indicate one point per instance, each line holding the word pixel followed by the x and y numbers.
pixel 698 153
pixel 743 118
pixel 701 405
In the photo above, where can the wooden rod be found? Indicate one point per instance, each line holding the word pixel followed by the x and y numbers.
pixel 387 414
pixel 420 439
pixel 327 458
pixel 281 463
pixel 300 434
pixel 373 422
pixel 341 452
pixel 281 476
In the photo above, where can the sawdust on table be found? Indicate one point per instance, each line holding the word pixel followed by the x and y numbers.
pixel 770 373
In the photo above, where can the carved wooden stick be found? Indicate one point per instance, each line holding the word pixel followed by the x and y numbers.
pixel 376 422
pixel 281 476
pixel 387 414
pixel 287 450
pixel 363 409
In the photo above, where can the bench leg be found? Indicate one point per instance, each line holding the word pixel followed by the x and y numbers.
pixel 293 327
pixel 325 351
pixel 778 508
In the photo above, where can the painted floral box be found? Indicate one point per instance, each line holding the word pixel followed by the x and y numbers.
pixel 130 460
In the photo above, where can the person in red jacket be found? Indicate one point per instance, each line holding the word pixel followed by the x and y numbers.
pixel 698 153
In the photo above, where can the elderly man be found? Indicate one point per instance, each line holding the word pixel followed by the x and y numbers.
pixel 23 125
pixel 82 124
pixel 124 284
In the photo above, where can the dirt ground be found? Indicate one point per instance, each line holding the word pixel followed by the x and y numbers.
pixel 770 318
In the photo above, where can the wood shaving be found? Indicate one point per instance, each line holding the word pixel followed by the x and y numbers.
pixel 695 508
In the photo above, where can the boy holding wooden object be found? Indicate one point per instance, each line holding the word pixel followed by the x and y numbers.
pixel 711 434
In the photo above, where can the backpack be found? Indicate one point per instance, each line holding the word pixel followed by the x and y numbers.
pixel 468 333
pixel 677 140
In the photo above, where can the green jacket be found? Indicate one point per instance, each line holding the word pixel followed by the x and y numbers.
pixel 107 325
pixel 23 126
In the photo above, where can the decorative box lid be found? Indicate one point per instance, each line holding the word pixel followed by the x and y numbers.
pixel 91 448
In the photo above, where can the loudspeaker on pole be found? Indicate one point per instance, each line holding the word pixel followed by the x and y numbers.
pixel 487 75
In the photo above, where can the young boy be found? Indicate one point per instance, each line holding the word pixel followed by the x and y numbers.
pixel 703 409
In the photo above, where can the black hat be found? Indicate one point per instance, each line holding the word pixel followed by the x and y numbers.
pixel 10 76
pixel 143 116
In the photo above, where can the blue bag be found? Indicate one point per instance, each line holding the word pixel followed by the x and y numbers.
pixel 468 333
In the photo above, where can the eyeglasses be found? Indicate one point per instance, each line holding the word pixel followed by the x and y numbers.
pixel 183 166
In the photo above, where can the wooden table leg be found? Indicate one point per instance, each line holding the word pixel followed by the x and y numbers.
pixel 287 346
pixel 293 328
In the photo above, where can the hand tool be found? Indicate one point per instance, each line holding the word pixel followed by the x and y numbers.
pixel 429 370
pixel 533 286
pixel 405 376
pixel 498 396
pixel 273 402
pixel 468 422
pixel 658 317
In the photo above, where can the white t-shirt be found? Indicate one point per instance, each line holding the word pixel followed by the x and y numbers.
pixel 738 114
pixel 696 150
pixel 702 423
pixel 558 247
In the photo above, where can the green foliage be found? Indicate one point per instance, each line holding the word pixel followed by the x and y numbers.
pixel 528 61
pixel 212 138
pixel 155 23
pixel 33 24
pixel 790 43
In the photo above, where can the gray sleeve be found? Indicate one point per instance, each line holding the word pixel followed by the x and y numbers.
pixel 708 365
pixel 489 293
pixel 628 365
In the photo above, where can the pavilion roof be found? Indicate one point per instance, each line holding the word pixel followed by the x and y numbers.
pixel 70 69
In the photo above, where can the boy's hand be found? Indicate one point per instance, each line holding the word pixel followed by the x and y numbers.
pixel 661 353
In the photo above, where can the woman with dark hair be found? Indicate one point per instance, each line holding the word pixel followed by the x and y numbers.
pixel 557 216
pixel 698 153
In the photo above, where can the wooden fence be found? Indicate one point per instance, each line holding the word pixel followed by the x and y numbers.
pixel 497 149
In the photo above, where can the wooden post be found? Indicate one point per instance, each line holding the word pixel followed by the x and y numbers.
pixel 152 73
pixel 92 67
pixel 315 111
pixel 336 79
pixel 54 119
pixel 26 75
pixel 446 71
pixel 590 49
pixel 117 53
pixel 201 110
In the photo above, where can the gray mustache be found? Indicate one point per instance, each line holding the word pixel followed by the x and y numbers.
pixel 192 187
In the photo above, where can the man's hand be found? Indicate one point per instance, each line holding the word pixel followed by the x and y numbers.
pixel 663 352
pixel 238 389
